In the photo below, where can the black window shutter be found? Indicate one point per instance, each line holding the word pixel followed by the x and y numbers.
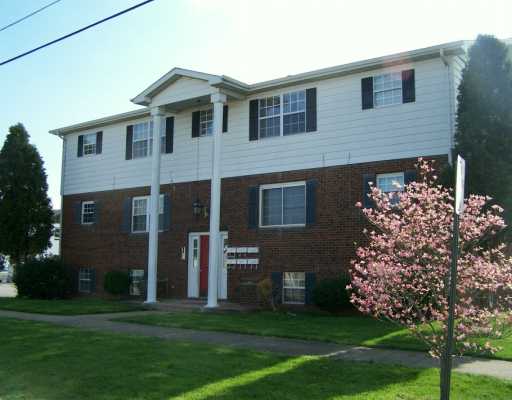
pixel 166 223
pixel 93 280
pixel 367 201
pixel 80 149
pixel 129 141
pixel 310 287
pixel 253 207
pixel 311 110
pixel 77 212
pixel 408 86
pixel 225 118
pixel 169 134
pixel 311 201
pixel 253 119
pixel 409 176
pixel 196 117
pixel 127 215
pixel 277 287
pixel 367 92
pixel 99 142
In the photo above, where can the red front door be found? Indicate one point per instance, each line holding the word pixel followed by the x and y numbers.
pixel 203 265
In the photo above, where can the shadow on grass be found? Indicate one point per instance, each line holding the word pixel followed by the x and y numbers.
pixel 45 361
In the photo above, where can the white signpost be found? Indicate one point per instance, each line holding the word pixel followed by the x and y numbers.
pixel 446 361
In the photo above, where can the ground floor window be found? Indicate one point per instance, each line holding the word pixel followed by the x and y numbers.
pixel 294 287
pixel 85 280
pixel 136 282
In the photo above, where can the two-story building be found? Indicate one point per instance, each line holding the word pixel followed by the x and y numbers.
pixel 292 157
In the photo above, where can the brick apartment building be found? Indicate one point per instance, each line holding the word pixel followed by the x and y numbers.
pixel 289 159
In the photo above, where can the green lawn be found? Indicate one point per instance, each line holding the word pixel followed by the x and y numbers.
pixel 353 330
pixel 44 361
pixel 65 307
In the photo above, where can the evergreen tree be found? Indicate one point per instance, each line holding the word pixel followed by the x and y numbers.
pixel 484 121
pixel 25 209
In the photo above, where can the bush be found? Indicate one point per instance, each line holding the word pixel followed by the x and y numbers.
pixel 117 283
pixel 43 278
pixel 265 296
pixel 331 294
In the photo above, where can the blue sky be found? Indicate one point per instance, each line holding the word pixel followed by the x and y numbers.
pixel 95 73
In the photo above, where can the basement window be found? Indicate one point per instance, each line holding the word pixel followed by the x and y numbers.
pixel 294 287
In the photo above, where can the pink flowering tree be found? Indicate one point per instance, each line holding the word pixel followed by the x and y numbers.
pixel 401 274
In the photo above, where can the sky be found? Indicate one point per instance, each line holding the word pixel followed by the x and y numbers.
pixel 96 73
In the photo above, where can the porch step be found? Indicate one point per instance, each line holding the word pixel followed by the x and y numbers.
pixel 197 305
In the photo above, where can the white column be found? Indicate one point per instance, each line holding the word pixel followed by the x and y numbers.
pixel 218 101
pixel 158 125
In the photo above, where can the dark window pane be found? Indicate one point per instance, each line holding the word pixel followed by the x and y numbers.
pixel 271 207
pixel 294 205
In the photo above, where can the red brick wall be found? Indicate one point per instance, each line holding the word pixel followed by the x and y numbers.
pixel 325 248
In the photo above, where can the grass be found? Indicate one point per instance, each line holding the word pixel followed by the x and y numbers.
pixel 350 330
pixel 44 361
pixel 65 307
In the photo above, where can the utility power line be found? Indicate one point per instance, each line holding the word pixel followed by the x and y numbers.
pixel 75 32
pixel 28 16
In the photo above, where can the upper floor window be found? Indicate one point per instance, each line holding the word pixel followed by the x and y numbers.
pixel 392 183
pixel 88 212
pixel 387 89
pixel 90 144
pixel 143 140
pixel 206 122
pixel 140 213
pixel 283 204
pixel 288 119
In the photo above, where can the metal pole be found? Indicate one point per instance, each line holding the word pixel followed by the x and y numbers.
pixel 446 361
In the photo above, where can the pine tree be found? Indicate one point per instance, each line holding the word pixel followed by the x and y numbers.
pixel 484 121
pixel 25 209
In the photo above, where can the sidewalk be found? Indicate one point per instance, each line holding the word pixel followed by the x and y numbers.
pixel 291 347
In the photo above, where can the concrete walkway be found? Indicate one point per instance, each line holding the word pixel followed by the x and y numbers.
pixel 291 347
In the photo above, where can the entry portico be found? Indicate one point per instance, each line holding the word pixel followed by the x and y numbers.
pixel 176 91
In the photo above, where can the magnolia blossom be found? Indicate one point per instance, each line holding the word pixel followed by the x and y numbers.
pixel 402 274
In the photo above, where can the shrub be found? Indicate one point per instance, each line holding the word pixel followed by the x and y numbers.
pixel 332 295
pixel 117 283
pixel 43 278
pixel 265 296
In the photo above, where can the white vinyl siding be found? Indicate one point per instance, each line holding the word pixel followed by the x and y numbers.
pixel 294 287
pixel 345 135
pixel 283 204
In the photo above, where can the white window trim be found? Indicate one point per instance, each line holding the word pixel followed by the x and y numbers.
pixel 282 114
pixel 386 90
pixel 132 275
pixel 89 279
pixel 90 144
pixel 84 203
pixel 149 139
pixel 281 185
pixel 148 201
pixel 286 287
pixel 388 175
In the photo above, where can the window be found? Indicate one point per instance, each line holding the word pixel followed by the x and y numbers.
pixel 391 183
pixel 85 280
pixel 294 287
pixel 283 204
pixel 89 144
pixel 140 213
pixel 136 282
pixel 88 212
pixel 293 113
pixel 142 144
pixel 206 122
pixel 387 89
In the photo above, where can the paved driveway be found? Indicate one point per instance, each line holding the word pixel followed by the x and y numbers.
pixel 7 290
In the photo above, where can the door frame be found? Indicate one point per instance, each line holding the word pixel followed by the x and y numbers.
pixel 193 271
